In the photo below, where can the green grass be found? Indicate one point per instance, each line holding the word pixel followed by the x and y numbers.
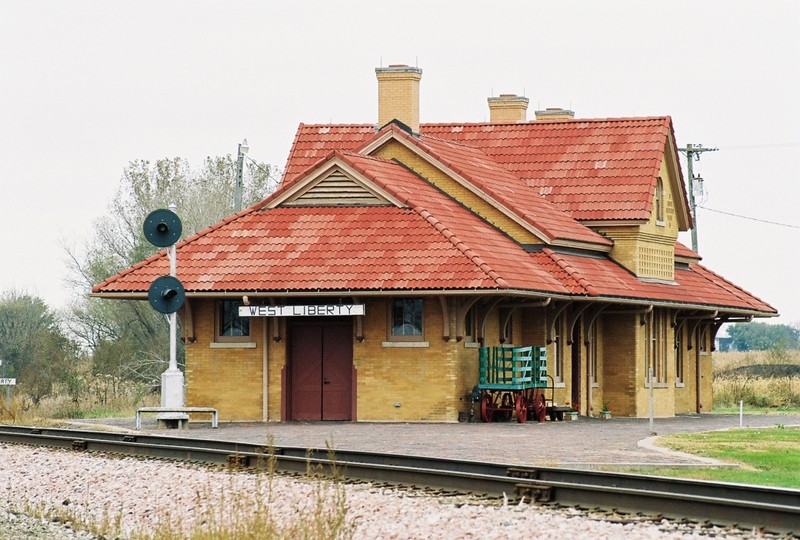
pixel 769 457
pixel 757 410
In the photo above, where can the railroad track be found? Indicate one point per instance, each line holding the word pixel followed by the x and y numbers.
pixel 770 509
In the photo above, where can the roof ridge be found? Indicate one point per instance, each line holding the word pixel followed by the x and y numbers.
pixel 440 227
pixel 552 122
pixel 461 246
pixel 572 272
pixel 525 214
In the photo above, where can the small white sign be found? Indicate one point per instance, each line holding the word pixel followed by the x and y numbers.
pixel 8 382
pixel 334 310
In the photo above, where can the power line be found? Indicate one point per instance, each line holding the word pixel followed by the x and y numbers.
pixel 757 146
pixel 750 218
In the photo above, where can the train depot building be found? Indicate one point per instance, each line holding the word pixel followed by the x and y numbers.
pixel 364 286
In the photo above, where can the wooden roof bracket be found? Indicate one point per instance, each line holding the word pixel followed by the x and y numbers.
pixel 461 316
pixel 511 309
pixel 445 318
pixel 573 320
pixel 552 318
pixel 276 325
pixel 359 323
pixel 678 326
pixel 714 329
pixel 697 319
pixel 504 324
pixel 482 324
pixel 592 319
pixel 187 321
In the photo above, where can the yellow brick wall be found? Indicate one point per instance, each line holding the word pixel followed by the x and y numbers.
pixel 229 378
pixel 622 346
pixel 394 150
pixel 433 383
pixel 428 383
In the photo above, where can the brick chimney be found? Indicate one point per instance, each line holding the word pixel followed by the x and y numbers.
pixel 398 95
pixel 508 109
pixel 554 113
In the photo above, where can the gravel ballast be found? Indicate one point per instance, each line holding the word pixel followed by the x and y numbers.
pixel 139 494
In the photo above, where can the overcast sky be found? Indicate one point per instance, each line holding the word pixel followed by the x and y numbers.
pixel 87 86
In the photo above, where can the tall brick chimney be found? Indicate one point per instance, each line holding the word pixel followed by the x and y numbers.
pixel 398 95
pixel 508 109
pixel 555 113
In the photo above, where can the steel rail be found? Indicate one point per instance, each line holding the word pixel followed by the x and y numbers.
pixel 768 508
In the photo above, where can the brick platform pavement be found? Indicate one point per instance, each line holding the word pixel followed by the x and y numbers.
pixel 586 442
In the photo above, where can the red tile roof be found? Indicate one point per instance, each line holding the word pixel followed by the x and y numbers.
pixel 586 168
pixel 500 184
pixel 433 244
pixel 599 169
pixel 695 285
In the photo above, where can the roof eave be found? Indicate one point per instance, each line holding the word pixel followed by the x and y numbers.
pixel 724 311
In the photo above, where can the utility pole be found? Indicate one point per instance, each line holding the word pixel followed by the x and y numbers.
pixel 237 199
pixel 693 152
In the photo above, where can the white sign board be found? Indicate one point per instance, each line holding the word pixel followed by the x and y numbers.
pixel 8 382
pixel 334 310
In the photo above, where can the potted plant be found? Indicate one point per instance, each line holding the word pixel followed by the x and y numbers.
pixel 605 412
pixel 573 410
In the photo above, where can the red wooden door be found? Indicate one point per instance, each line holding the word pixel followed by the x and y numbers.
pixel 321 370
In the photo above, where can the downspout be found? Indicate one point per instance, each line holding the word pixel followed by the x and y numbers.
pixel 265 370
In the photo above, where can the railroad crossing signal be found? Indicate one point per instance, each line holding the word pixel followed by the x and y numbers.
pixel 166 294
pixel 163 228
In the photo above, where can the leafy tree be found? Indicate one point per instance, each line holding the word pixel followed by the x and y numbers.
pixel 128 339
pixel 33 346
pixel 762 336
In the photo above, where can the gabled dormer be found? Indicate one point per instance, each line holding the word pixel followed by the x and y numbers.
pixel 334 182
pixel 646 247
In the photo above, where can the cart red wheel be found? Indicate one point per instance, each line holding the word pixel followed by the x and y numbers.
pixel 539 407
pixel 507 405
pixel 521 407
pixel 487 408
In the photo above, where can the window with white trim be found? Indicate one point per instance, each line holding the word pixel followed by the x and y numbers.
pixel 229 327
pixel 406 319
pixel 659 201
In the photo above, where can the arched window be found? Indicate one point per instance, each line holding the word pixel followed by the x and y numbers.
pixel 659 201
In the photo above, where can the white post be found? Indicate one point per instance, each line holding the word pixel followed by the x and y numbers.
pixel 741 413
pixel 172 378
pixel 652 397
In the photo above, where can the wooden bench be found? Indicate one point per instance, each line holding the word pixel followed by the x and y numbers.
pixel 182 422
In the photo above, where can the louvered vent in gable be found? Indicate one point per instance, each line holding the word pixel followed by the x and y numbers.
pixel 336 189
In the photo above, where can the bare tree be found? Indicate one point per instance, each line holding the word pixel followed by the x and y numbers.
pixel 128 339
